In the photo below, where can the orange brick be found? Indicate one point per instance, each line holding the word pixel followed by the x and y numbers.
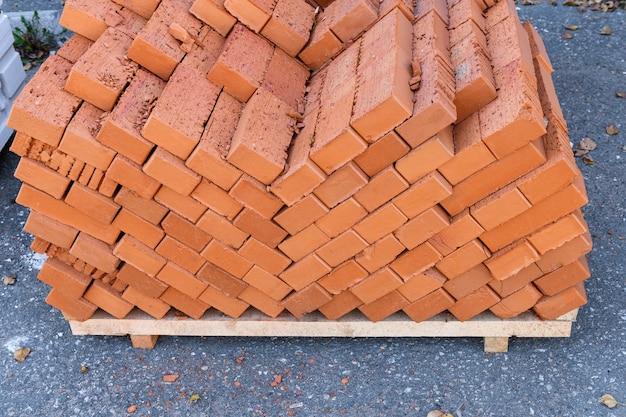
pixel 463 259
pixel 223 281
pixel 182 280
pixel 230 306
pixel 340 218
pixel 87 18
pixel 216 199
pixel 213 13
pixel 101 73
pixel 184 303
pixel 186 206
pixel 565 253
pixel 267 258
pixel 348 18
pixel 74 48
pixel 422 227
pixel 380 253
pixel 290 24
pixel 415 261
pixel 462 230
pixel 550 308
pixel 474 303
pixel 420 285
pixel 516 303
pixel 297 217
pixel 511 259
pixel 254 195
pixel 153 306
pixel 108 299
pixel 265 163
pixel 376 285
pixel 146 209
pixel 499 207
pixel 237 70
pixel 64 278
pixel 141 7
pixel 342 248
pixel 120 131
pixel 208 159
pixel 185 232
pixel 48 229
pixel 226 258
pixel 537 46
pixel 380 223
pixel 262 229
pixel 180 254
pixel 252 13
pixel 222 229
pixel 382 153
pixel 76 308
pixel 304 272
pixel 142 282
pixel 44 109
pixel 566 276
pixel 384 306
pixel 94 252
pixel 171 171
pixel 303 242
pixel 340 305
pixel 516 281
pixel 126 20
pixel 306 300
pixel 429 306
pixel 92 203
pixel 405 6
pixel 423 194
pixel 561 231
pixel 427 157
pixel 322 44
pixel 380 189
pixel 144 231
pixel 127 173
pixel 41 177
pixel 135 253
pixel 261 302
pixel 267 283
pixel 341 185
pixel 342 277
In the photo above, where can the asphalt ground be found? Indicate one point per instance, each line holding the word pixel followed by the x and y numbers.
pixel 67 375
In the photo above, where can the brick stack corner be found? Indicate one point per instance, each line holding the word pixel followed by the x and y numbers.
pixel 278 156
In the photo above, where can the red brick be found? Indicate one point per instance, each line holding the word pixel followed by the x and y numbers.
pixel 121 129
pixel 223 281
pixel 92 203
pixel 322 44
pixel 182 280
pixel 64 278
pixel 517 303
pixel 415 261
pixel 237 70
pixel 499 207
pixel 180 254
pixel 297 217
pixel 95 253
pixel 208 159
pixel 304 272
pixel 340 218
pixel 380 189
pixel 342 277
pixel 48 229
pixel 469 281
pixel 108 299
pixel 146 209
pixel 303 242
pixel 508 41
pixel 153 306
pixel 384 306
pixel 306 300
pixel 226 258
pixel 261 302
pixel 265 163
pixel 348 18
pixel 100 75
pixel 171 171
pixel 41 177
pixel 382 153
pixel 420 285
pixel 515 282
pixel 135 253
pixel 87 18
pixel 565 253
pixel 340 305
pixel 186 206
pixel 267 283
pixel 184 303
pixel 463 259
pixel 342 248
pixel 556 234
pixel 74 48
pixel 254 195
pixel 384 98
pixel 405 6
pixel 427 157
pixel 58 210
pixel 423 194
pixel 537 46
pixel 252 13
pixel 144 231
pixel 222 229
pixel 474 303
pixel 141 7
pixel 462 230
pixel 213 13
pixel 44 108
pixel 380 253
pixel 341 185
pixel 127 173
pixel 185 232
pixel 550 308
pixel 380 223
pixel 126 20
pixel 290 24
pixel 216 199
pixel 422 227
pixel 142 282
pixel 262 229
pixel 566 276
pixel 376 285
pixel 511 259
pixel 267 258
pixel 76 308
pixel 232 307
pixel 429 306
pixel 79 138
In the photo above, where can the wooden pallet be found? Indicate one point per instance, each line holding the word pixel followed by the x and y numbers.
pixel 144 330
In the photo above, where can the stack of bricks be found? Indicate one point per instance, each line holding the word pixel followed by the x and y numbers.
pixel 271 155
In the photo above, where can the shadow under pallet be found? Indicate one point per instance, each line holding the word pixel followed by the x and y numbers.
pixel 145 330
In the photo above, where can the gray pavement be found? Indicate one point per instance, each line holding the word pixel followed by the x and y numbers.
pixel 353 377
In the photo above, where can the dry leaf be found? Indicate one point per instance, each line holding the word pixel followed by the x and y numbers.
pixel 612 129
pixel 21 354
pixel 620 94
pixel 588 160
pixel 580 152
pixel 606 30
pixel 131 409
pixel 570 3
pixel 83 369
pixel 609 401
pixel 345 380
pixel 435 413
pixel 587 144
pixel 571 27
pixel 567 35
pixel 170 378
pixel 9 279
pixel 194 398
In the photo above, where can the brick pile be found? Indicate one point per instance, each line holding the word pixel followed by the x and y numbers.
pixel 268 154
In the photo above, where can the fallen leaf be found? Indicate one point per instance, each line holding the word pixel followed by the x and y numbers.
pixel 571 27
pixel 84 369
pixel 620 94
pixel 131 409
pixel 611 129
pixel 21 354
pixel 435 413
pixel 587 144
pixel 170 378
pixel 588 160
pixel 9 279
pixel 345 380
pixel 194 398
pixel 277 380
pixel 570 3
pixel 609 401
pixel 580 152
pixel 567 35
pixel 28 66
pixel 606 30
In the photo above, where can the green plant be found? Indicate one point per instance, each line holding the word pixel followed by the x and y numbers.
pixel 34 42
